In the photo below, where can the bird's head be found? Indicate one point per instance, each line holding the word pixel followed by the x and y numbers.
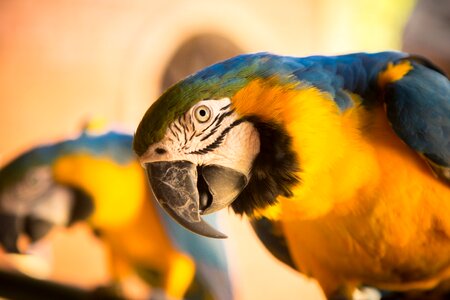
pixel 32 202
pixel 48 185
pixel 213 140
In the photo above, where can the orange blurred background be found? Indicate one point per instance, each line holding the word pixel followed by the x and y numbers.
pixel 63 62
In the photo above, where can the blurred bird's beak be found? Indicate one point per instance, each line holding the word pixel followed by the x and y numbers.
pixel 37 228
pixel 10 229
pixel 186 191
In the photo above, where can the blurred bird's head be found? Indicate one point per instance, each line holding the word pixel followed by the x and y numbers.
pixel 32 202
pixel 48 185
pixel 220 138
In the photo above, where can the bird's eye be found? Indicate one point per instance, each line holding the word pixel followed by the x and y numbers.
pixel 202 113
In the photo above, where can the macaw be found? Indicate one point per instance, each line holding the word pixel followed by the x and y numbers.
pixel 98 178
pixel 342 163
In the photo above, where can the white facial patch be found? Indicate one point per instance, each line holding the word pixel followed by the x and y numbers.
pixel 55 207
pixel 211 132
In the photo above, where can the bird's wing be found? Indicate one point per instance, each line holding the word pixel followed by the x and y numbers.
pixel 271 235
pixel 417 101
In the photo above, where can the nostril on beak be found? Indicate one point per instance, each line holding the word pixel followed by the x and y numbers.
pixel 160 151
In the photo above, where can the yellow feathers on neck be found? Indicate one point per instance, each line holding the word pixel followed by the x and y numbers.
pixel 116 190
pixel 327 142
pixel 265 99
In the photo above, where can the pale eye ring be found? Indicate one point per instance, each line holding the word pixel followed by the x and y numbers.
pixel 202 113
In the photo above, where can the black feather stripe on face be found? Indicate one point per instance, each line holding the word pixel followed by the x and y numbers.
pixel 217 122
pixel 219 139
pixel 273 172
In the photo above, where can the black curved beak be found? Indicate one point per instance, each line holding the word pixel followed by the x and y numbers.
pixel 185 191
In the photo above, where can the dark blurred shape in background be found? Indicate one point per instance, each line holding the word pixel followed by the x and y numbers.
pixel 428 32
pixel 195 54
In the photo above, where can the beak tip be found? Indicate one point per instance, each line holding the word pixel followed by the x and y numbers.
pixel 204 229
pixel 222 236
pixel 215 235
pixel 201 227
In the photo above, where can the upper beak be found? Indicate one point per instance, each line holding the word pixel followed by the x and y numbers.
pixel 185 191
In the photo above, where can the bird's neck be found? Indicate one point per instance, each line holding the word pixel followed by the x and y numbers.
pixel 338 163
pixel 117 190
pixel 335 161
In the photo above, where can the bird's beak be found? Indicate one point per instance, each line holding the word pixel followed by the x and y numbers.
pixel 10 229
pixel 37 228
pixel 185 191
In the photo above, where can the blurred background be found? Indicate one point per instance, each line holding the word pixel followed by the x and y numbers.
pixel 64 62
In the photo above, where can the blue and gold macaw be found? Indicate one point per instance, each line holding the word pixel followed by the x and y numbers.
pixel 342 163
pixel 98 178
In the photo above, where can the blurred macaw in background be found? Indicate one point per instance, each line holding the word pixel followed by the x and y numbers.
pixel 97 177
pixel 342 163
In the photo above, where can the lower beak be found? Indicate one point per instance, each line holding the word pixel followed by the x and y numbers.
pixel 10 229
pixel 185 191
pixel 37 228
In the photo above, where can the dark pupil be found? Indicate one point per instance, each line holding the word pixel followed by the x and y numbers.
pixel 202 112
